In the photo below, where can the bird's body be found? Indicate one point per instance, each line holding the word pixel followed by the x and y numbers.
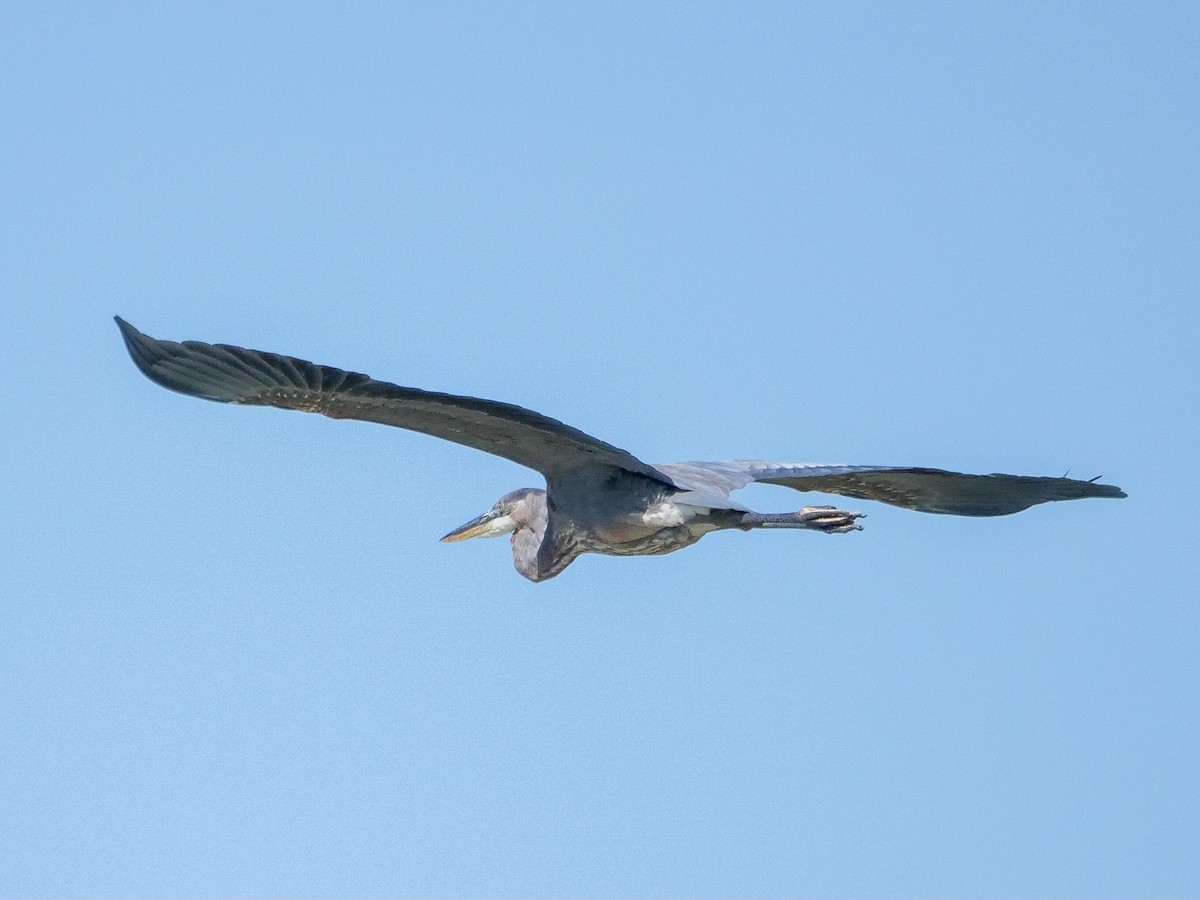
pixel 598 498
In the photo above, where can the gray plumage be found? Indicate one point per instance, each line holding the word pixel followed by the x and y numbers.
pixel 598 498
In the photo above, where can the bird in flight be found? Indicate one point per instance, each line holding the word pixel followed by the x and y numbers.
pixel 597 498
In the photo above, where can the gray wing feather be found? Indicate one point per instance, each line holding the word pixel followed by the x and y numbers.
pixel 922 489
pixel 231 374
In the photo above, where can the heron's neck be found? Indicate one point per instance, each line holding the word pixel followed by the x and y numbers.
pixel 528 536
pixel 525 546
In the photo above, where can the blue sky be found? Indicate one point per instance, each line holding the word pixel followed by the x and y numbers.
pixel 236 661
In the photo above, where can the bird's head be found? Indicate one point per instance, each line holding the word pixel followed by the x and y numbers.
pixel 524 508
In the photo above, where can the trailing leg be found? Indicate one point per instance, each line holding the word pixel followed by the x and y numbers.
pixel 828 519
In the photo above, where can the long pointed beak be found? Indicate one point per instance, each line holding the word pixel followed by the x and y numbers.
pixel 490 524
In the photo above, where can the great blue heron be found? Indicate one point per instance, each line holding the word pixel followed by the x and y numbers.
pixel 598 498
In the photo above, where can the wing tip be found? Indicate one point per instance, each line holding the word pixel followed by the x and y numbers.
pixel 128 332
pixel 160 362
pixel 139 346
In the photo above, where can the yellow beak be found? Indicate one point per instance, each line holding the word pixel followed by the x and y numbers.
pixel 490 524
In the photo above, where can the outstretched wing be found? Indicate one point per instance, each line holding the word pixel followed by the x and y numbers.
pixel 235 375
pixel 925 490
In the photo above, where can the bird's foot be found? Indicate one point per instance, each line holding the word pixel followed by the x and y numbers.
pixel 829 519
